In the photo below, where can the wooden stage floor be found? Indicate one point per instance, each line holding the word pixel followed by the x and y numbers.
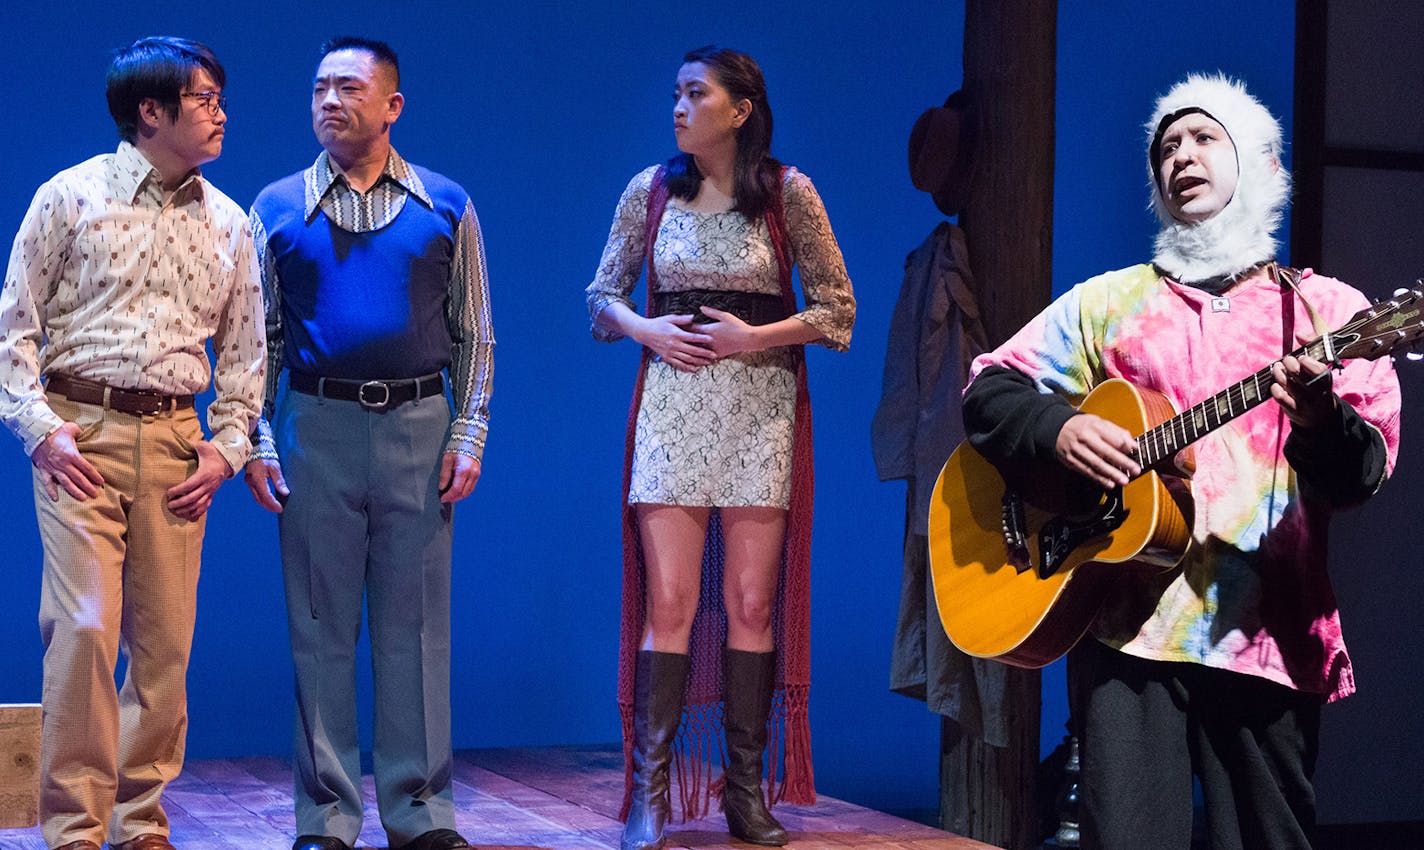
pixel 557 798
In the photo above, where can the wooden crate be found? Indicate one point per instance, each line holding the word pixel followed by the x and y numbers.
pixel 19 766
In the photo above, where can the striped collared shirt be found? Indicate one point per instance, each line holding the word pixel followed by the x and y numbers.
pixel 327 190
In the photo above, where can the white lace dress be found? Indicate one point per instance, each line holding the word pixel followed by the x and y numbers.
pixel 721 436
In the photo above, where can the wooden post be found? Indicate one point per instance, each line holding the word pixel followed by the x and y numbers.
pixel 1009 76
pixel 1010 53
pixel 19 766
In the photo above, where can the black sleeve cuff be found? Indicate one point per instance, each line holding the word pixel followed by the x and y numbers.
pixel 1009 421
pixel 1341 461
pixel 1015 427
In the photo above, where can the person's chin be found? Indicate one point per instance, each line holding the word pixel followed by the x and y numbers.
pixel 1195 211
pixel 1197 216
pixel 686 140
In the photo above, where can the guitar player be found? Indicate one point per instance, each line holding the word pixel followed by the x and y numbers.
pixel 1219 668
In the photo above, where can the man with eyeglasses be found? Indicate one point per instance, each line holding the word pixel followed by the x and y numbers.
pixel 374 275
pixel 124 268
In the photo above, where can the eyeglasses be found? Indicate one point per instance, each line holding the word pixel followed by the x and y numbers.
pixel 210 99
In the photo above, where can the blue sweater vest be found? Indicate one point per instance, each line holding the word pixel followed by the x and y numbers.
pixel 364 305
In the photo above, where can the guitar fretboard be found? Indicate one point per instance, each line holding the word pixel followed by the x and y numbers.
pixel 1170 437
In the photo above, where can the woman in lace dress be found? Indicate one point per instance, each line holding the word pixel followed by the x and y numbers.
pixel 719 466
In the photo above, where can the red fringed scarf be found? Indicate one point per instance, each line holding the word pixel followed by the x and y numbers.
pixel 701 735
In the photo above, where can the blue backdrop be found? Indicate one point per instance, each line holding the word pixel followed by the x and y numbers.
pixel 543 111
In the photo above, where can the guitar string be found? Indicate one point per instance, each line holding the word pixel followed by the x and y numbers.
pixel 1171 436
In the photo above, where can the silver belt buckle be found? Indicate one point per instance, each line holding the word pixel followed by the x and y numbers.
pixel 371 404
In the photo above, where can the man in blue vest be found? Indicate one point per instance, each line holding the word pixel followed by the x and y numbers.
pixel 373 273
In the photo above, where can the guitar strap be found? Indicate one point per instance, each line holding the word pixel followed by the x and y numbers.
pixel 1288 291
pixel 1288 279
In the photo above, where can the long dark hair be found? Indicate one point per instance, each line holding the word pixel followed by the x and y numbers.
pixel 756 175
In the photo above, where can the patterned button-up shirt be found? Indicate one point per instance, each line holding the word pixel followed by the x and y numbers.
pixel 327 191
pixel 112 281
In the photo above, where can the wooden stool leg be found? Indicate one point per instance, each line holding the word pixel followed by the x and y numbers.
pixel 19 766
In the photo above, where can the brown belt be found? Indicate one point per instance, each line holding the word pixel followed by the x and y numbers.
pixel 132 402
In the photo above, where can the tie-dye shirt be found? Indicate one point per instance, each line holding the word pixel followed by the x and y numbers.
pixel 1253 595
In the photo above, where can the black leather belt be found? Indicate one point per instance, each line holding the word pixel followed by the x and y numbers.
pixel 372 395
pixel 754 308
pixel 132 402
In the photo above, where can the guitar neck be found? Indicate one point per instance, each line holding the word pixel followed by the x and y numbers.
pixel 1170 437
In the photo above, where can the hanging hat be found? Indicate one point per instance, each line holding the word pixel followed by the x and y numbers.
pixel 941 149
pixel 1241 235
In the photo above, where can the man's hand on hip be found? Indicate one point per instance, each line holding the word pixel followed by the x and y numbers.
pixel 191 498
pixel 61 465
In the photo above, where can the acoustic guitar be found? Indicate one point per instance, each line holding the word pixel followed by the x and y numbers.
pixel 1020 581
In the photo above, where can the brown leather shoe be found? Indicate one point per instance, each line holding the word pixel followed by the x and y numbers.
pixel 151 841
pixel 78 845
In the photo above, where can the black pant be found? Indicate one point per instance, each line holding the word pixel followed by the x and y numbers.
pixel 1148 726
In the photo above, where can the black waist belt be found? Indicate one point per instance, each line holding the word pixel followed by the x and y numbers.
pixel 132 402
pixel 754 308
pixel 372 395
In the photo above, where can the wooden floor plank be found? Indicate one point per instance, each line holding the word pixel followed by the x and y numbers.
pixel 548 798
pixel 592 778
pixel 535 812
pixel 254 806
pixel 21 839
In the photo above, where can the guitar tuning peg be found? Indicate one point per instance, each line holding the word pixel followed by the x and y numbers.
pixel 1414 355
pixel 1402 291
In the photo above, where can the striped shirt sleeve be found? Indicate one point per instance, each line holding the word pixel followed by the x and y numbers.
pixel 472 332
pixel 265 445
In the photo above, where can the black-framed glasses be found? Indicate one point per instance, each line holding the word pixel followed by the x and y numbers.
pixel 211 99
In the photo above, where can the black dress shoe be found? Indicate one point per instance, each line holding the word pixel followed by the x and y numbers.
pixel 437 839
pixel 319 842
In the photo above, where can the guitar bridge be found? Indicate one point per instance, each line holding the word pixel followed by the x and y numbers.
pixel 1015 526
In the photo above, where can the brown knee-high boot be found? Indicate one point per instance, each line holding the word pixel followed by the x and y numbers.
pixel 659 681
pixel 747 681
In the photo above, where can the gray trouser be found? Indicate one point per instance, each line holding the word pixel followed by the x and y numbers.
pixel 364 518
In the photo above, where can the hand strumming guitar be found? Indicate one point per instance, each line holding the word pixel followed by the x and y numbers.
pixel 1098 449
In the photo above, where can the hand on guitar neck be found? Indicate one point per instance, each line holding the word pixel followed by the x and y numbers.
pixel 1304 389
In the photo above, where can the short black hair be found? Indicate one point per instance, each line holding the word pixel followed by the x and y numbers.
pixel 379 50
pixel 157 67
